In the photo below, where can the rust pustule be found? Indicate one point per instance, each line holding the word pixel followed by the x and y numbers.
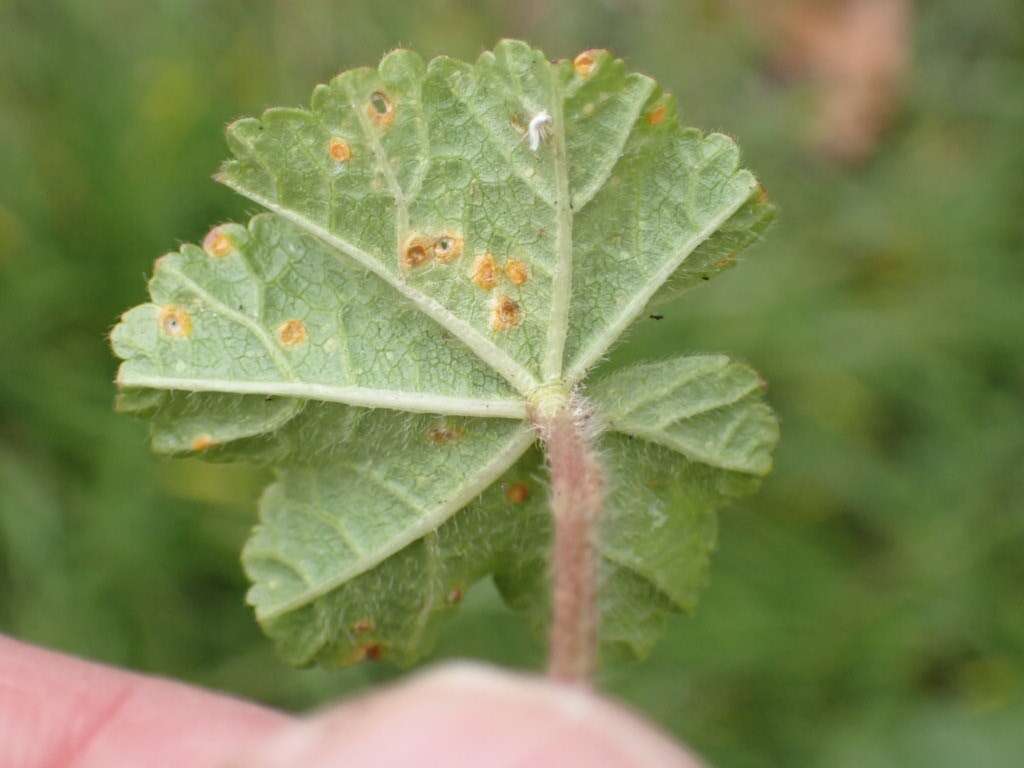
pixel 380 109
pixel 217 243
pixel 339 150
pixel 364 625
pixel 584 63
pixel 441 434
pixel 454 596
pixel 291 333
pixel 517 271
pixel 485 272
pixel 448 247
pixel 505 313
pixel 657 115
pixel 517 493
pixel 202 443
pixel 175 321
pixel 417 251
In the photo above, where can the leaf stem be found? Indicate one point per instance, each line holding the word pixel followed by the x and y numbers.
pixel 577 497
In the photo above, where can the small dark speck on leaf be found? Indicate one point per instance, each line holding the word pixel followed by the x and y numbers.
pixel 657 317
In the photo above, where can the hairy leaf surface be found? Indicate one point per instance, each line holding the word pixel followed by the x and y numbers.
pixel 425 269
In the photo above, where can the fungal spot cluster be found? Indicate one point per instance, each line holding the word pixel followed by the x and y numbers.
pixel 174 321
pixel 420 249
pixel 380 109
pixel 339 150
pixel 291 333
pixel 486 272
pixel 442 434
pixel 217 244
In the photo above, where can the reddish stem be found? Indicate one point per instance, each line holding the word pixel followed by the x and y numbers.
pixel 577 495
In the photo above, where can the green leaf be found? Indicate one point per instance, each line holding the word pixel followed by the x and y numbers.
pixel 426 271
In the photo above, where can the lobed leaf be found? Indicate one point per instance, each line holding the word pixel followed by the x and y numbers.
pixel 444 242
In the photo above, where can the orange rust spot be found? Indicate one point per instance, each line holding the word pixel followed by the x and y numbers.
pixel 380 109
pixel 485 272
pixel 657 115
pixel 202 442
pixel 505 313
pixel 517 493
pixel 217 244
pixel 175 321
pixel 362 626
pixel 726 261
pixel 584 63
pixel 440 434
pixel 291 333
pixel 372 652
pixel 454 596
pixel 448 247
pixel 761 195
pixel 517 271
pixel 417 252
pixel 339 150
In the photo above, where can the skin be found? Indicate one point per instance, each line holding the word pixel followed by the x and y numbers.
pixel 60 712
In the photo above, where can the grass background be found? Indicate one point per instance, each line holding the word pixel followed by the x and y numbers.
pixel 866 609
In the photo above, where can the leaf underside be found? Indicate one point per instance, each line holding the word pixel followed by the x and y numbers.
pixel 376 336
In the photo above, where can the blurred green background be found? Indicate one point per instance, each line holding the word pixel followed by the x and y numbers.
pixel 866 609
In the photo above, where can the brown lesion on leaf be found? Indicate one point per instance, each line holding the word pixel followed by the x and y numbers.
pixel 202 443
pixel 291 333
pixel 657 115
pixel 725 261
pixel 380 109
pixel 517 271
pixel 505 313
pixel 442 434
pixel 517 493
pixel 448 247
pixel 454 596
pixel 339 150
pixel 761 194
pixel 217 243
pixel 485 272
pixel 175 321
pixel 417 251
pixel 585 62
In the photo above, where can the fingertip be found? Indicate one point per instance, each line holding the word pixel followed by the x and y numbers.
pixel 464 714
